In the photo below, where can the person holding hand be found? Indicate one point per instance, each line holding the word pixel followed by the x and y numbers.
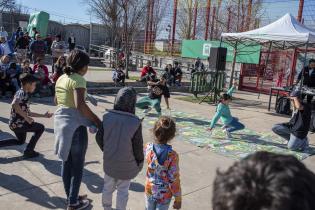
pixel 21 118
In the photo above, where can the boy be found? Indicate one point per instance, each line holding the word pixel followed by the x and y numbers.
pixel 21 121
pixel 295 131
pixel 265 181
pixel 156 90
pixel 123 154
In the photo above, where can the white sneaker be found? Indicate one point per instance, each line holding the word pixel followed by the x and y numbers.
pixel 147 110
pixel 228 134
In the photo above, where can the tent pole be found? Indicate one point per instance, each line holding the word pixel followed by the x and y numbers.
pixel 304 64
pixel 266 63
pixel 233 65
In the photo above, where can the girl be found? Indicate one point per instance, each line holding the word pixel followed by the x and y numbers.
pixel 162 176
pixel 70 125
pixel 223 112
pixel 59 68
pixel 26 67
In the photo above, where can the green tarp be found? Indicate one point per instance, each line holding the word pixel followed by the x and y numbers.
pixel 201 49
pixel 38 20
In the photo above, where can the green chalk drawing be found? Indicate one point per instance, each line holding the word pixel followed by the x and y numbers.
pixel 192 128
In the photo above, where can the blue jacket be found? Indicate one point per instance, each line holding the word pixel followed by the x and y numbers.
pixel 10 43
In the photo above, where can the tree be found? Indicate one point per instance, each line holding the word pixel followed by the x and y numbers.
pixel 7 5
pixel 185 19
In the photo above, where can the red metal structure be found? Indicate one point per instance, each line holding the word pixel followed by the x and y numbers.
pixel 147 28
pixel 212 23
pixel 207 19
pixel 174 25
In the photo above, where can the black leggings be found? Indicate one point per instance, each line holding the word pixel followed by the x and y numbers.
pixel 35 128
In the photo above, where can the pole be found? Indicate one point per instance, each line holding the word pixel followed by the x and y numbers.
pixel 233 65
pixel 147 27
pixel 238 15
pixel 249 14
pixel 300 12
pixel 212 23
pixel 151 26
pixel 207 19
pixel 126 38
pixel 304 64
pixel 229 19
pixel 174 25
pixel 266 63
pixel 195 19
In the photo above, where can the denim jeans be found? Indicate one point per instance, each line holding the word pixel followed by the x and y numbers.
pixel 110 185
pixel 151 204
pixel 235 125
pixel 72 168
pixel 294 143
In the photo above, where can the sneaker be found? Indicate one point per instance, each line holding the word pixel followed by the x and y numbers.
pixel 228 134
pixel 224 127
pixel 30 154
pixel 147 110
pixel 82 204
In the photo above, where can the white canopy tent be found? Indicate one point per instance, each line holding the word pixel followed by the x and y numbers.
pixel 285 33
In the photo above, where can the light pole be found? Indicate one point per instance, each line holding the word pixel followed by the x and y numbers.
pixel 169 30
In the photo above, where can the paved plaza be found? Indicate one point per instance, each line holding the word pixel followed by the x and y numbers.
pixel 36 184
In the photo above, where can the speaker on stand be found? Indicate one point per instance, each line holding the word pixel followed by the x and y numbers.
pixel 217 61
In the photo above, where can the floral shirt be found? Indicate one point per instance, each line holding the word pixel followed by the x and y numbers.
pixel 162 181
pixel 16 120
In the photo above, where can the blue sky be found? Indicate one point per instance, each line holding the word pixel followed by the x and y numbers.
pixel 76 10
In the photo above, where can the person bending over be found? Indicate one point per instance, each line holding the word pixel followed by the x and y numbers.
pixel 296 130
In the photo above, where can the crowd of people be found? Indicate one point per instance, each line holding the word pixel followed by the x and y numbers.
pixel 20 51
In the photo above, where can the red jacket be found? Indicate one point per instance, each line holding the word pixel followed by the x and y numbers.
pixel 147 70
pixel 46 80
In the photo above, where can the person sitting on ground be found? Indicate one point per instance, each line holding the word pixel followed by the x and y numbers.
pixel 178 74
pixel 59 68
pixel 26 67
pixel 21 47
pixel 38 48
pixel 157 89
pixel 309 78
pixel 147 73
pixel 162 176
pixel 21 121
pixel 13 74
pixel 262 181
pixel 230 123
pixel 119 75
pixel 5 82
pixel 295 131
pixel 123 154
pixel 44 85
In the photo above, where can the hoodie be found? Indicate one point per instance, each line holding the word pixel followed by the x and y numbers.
pixel 121 139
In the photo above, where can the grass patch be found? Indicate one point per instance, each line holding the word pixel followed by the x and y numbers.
pixel 194 99
pixel 100 69
pixel 134 78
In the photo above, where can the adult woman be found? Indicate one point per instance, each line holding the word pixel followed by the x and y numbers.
pixel 71 119
pixel 57 49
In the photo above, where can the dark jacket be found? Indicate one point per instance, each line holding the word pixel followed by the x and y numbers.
pixel 22 43
pixel 121 139
pixel 300 122
pixel 309 80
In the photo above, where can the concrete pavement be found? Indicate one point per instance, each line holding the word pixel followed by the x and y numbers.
pixel 36 184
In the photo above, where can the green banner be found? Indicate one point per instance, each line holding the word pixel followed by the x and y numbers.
pixel 201 49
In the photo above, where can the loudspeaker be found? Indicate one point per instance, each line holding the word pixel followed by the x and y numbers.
pixel 217 58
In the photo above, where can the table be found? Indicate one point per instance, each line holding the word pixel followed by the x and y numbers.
pixel 287 90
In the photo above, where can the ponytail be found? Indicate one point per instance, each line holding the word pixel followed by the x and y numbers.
pixel 76 61
pixel 68 70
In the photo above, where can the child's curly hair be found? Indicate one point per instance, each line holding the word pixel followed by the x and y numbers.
pixel 164 129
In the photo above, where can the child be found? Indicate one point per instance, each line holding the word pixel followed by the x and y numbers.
pixel 21 121
pixel 223 112
pixel 44 85
pixel 162 176
pixel 13 74
pixel 123 154
pixel 26 67
pixel 119 75
pixel 156 90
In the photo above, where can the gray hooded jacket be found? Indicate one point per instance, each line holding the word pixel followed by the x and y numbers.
pixel 121 139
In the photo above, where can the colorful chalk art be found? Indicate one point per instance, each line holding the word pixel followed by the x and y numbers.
pixel 192 128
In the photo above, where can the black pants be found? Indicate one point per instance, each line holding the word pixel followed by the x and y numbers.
pixel 309 98
pixel 35 128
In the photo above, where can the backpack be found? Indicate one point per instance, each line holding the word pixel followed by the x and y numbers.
pixel 283 106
